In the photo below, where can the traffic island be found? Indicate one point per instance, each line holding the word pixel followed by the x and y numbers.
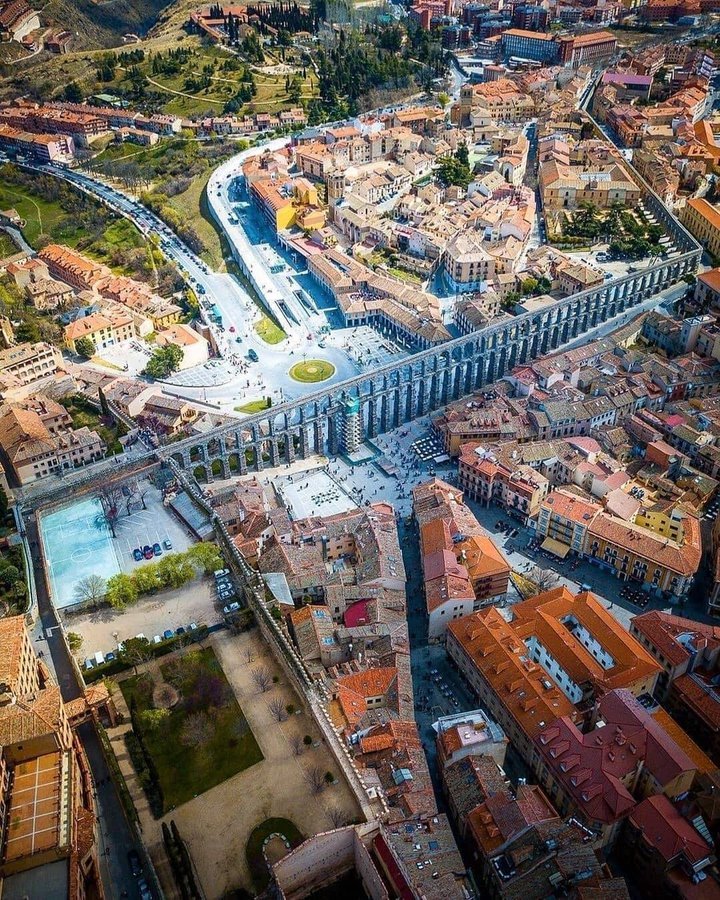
pixel 312 370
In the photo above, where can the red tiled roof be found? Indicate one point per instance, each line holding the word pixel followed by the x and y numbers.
pixel 667 832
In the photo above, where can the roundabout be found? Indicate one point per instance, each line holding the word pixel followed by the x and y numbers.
pixel 311 371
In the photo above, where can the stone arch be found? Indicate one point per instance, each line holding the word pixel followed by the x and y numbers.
pixel 200 474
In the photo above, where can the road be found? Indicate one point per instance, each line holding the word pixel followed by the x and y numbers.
pixel 239 312
pixel 115 837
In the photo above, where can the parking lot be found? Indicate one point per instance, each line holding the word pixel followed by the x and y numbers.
pixel 102 629
pixel 142 527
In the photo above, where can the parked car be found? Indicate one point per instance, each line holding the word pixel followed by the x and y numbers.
pixel 137 554
pixel 157 639
pixel 180 630
pixel 109 657
pixel 218 573
pixel 89 664
pixel 253 355
pixel 167 634
pixel 192 627
pixel 135 864
pixel 148 551
pixel 167 544
pixel 231 608
pixel 157 549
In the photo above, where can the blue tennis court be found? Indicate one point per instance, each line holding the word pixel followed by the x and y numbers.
pixel 77 543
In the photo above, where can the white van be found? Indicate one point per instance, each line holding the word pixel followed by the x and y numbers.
pixel 99 658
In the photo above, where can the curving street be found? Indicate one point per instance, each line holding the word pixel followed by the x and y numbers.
pixel 248 381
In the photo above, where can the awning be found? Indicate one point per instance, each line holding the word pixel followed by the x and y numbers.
pixel 555 547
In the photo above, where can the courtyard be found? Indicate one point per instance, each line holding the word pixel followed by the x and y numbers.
pixel 218 823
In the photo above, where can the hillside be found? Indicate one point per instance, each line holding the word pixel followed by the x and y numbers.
pixel 102 24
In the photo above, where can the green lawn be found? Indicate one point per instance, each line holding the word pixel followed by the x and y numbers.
pixel 269 331
pixel 254 406
pixel 312 370
pixel 42 216
pixel 7 245
pixel 254 848
pixel 188 769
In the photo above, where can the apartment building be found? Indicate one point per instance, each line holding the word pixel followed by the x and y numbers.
pixel 103 329
pixel 518 489
pixel 74 268
pixel 659 550
pixel 463 570
pixel 564 186
pixel 535 45
pixel 47 813
pixel 702 220
pixel 680 645
pixel 564 520
pixel 587 49
pixel 600 775
pixel 28 364
pixel 669 849
pixel 83 127
pixel 467 265
pixel 661 553
pixel 554 658
pixel 194 346
pixel 37 439
pixel 45 147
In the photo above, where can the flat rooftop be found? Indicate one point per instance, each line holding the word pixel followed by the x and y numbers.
pixel 34 812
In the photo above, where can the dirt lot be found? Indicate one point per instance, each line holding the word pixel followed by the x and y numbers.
pixel 217 824
pixel 101 630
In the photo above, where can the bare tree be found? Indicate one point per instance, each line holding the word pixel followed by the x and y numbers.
pixel 296 742
pixel 337 816
pixel 277 708
pixel 262 678
pixel 545 579
pixel 90 589
pixel 197 730
pixel 111 498
pixel 315 780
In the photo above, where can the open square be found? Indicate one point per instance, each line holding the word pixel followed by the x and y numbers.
pixel 314 493
pixel 203 738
